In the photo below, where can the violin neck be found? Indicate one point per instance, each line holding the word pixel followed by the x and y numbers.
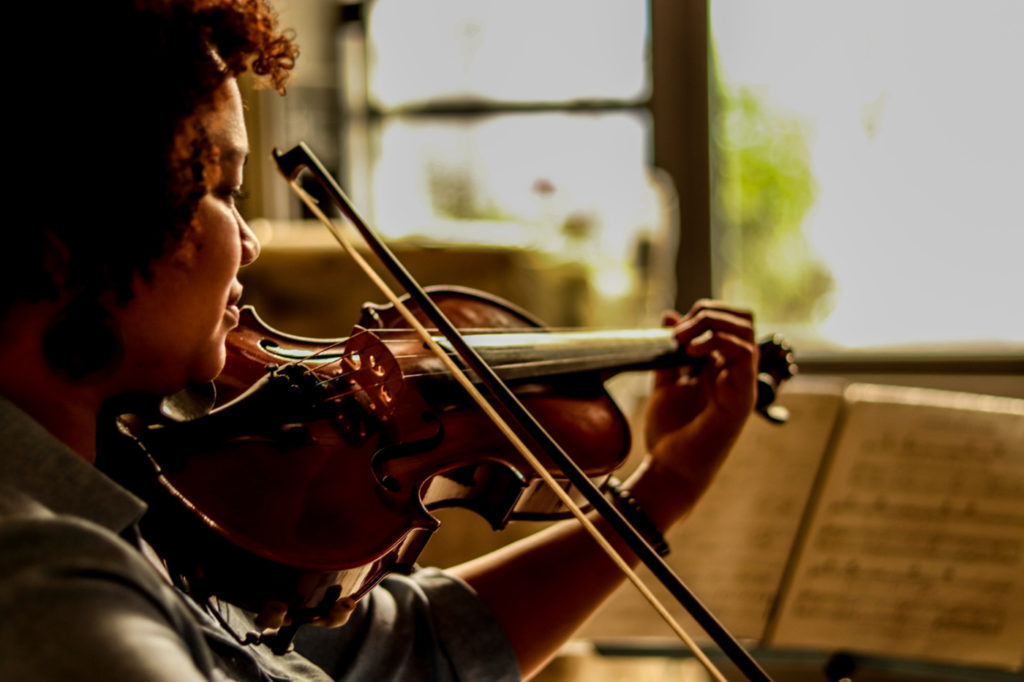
pixel 515 355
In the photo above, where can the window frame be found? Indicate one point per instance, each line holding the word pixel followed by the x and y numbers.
pixel 680 107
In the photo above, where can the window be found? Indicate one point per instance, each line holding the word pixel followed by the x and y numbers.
pixel 864 158
pixel 869 157
pixel 510 124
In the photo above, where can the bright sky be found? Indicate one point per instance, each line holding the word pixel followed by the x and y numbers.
pixel 918 147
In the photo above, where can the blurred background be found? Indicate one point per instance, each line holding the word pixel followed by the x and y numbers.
pixel 850 171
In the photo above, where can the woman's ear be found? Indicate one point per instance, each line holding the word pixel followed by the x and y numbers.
pixel 81 342
pixel 56 259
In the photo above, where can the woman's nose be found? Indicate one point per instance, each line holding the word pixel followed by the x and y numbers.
pixel 250 243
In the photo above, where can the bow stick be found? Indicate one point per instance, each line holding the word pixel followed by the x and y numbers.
pixel 290 164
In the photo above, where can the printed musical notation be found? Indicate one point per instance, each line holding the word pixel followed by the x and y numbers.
pixel 734 548
pixel 884 520
pixel 916 546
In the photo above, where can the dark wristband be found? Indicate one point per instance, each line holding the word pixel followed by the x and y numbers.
pixel 634 513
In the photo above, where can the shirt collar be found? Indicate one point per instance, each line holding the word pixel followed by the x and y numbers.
pixel 34 462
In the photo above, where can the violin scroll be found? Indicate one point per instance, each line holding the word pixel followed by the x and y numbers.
pixel 777 364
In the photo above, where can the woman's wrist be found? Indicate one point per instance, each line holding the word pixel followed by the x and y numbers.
pixel 665 495
pixel 627 505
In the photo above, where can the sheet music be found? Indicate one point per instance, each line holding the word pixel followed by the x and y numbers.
pixel 916 549
pixel 733 549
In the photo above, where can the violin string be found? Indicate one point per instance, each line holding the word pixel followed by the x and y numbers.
pixel 301 362
pixel 405 331
pixel 554 364
pixel 311 369
pixel 512 437
pixel 359 388
pixel 320 352
pixel 492 353
pixel 345 375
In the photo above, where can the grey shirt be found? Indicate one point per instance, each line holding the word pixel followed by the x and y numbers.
pixel 80 602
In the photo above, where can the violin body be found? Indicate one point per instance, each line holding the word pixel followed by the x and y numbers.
pixel 314 474
pixel 437 431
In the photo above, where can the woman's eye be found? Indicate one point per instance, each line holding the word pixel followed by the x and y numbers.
pixel 234 194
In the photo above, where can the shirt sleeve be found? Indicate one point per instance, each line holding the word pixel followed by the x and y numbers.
pixel 77 602
pixel 427 627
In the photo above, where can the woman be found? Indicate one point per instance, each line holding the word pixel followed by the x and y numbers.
pixel 134 291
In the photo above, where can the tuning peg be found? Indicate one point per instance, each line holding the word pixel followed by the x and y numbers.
pixel 777 364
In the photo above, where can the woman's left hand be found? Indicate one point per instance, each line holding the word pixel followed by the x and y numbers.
pixel 693 418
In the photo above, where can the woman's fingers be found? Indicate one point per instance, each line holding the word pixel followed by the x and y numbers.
pixel 733 349
pixel 711 317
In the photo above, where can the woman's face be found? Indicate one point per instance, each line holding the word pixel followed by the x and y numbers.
pixel 173 330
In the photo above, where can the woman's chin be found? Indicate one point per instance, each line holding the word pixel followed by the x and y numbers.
pixel 209 367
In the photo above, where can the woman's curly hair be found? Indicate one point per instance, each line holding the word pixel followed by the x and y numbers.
pixel 106 140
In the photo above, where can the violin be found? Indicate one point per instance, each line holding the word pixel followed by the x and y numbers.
pixel 308 471
pixel 312 473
